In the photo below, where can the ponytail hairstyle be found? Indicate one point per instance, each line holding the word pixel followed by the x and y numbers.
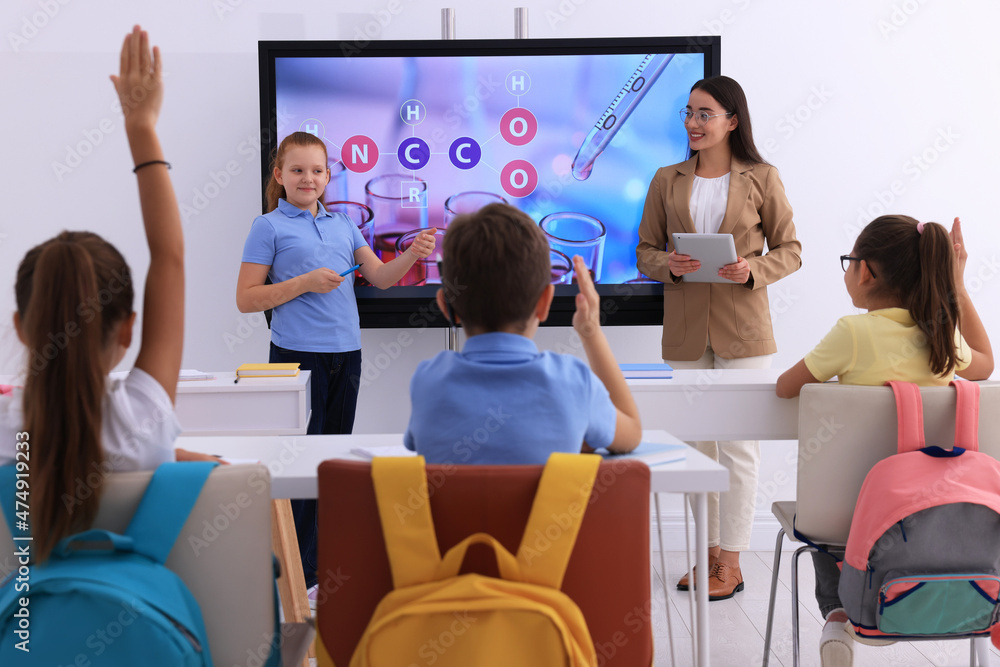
pixel 915 264
pixel 276 190
pixel 71 293
pixel 728 93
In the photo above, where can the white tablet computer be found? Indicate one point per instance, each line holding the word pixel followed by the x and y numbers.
pixel 714 251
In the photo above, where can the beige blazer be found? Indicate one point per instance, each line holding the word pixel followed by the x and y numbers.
pixel 737 318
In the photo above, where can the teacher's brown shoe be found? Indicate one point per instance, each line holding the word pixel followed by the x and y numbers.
pixel 683 584
pixel 724 581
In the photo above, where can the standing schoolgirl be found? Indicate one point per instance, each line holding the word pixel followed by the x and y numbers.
pixel 303 249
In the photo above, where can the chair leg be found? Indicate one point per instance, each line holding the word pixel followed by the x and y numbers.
pixel 291 583
pixel 774 593
pixel 981 650
pixel 666 584
pixel 795 604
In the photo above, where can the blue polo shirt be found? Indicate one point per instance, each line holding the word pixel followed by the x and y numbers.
pixel 501 401
pixel 292 242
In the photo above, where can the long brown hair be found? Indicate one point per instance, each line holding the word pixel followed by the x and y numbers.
pixel 71 293
pixel 915 265
pixel 730 96
pixel 276 190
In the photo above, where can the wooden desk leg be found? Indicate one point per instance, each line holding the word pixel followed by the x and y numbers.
pixel 292 583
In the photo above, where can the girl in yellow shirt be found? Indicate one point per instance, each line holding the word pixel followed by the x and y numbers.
pixel 920 327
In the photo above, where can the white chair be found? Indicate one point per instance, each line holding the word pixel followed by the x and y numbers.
pixel 843 432
pixel 223 555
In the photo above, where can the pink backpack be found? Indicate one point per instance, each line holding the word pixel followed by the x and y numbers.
pixel 923 553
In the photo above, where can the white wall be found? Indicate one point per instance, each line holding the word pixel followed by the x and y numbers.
pixel 865 106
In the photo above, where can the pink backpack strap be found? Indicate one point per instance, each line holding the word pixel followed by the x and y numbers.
pixel 909 416
pixel 966 415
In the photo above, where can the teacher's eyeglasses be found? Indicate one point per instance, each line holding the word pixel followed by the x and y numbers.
pixel 700 117
pixel 845 262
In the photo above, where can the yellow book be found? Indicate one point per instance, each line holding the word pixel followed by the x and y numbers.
pixel 267 370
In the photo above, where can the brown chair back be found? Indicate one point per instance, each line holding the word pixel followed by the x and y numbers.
pixel 608 575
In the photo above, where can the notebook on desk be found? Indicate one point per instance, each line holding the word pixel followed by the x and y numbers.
pixel 268 370
pixel 646 371
pixel 368 453
pixel 651 453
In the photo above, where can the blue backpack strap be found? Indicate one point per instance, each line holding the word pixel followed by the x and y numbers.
pixel 164 508
pixel 8 482
pixel 802 538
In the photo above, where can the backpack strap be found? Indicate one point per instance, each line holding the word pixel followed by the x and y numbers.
pixel 909 417
pixel 966 415
pixel 169 498
pixel 507 564
pixel 410 540
pixel 556 515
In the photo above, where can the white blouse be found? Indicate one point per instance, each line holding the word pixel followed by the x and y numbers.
pixel 709 197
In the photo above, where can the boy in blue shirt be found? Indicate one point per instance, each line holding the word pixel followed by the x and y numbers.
pixel 500 400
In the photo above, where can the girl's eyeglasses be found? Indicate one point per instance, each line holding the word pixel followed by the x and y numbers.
pixel 845 262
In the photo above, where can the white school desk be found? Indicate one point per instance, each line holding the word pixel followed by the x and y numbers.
pixel 710 404
pixel 252 406
pixel 293 463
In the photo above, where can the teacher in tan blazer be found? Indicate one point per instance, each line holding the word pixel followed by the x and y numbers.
pixel 726 187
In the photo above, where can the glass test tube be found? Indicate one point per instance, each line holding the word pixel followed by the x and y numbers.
pixel 336 189
pixel 468 202
pixel 562 267
pixel 577 234
pixel 424 271
pixel 399 202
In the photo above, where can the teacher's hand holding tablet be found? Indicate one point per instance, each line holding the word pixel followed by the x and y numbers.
pixel 681 264
pixel 738 272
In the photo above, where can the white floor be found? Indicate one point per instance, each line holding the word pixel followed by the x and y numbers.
pixel 738 624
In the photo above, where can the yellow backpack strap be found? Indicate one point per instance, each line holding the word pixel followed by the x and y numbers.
pixel 560 502
pixel 507 564
pixel 405 511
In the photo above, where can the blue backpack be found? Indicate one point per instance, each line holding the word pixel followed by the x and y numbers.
pixel 104 598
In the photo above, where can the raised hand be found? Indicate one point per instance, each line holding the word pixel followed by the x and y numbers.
pixel 587 318
pixel 139 82
pixel 961 252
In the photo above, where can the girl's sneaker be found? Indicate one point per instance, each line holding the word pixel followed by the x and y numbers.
pixel 311 594
pixel 836 648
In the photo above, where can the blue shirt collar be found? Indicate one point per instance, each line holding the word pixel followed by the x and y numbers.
pixel 293 211
pixel 498 347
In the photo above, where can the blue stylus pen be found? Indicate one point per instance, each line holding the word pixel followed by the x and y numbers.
pixel 353 268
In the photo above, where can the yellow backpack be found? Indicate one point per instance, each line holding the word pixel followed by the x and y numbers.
pixel 436 616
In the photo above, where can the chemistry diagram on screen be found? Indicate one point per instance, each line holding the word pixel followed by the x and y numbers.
pixel 415 141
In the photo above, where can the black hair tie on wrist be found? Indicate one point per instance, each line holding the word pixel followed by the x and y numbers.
pixel 146 164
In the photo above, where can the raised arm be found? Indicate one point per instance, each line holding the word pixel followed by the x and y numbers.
pixel 587 323
pixel 385 275
pixel 981 365
pixel 140 89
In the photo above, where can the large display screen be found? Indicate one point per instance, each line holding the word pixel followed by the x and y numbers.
pixel 569 131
